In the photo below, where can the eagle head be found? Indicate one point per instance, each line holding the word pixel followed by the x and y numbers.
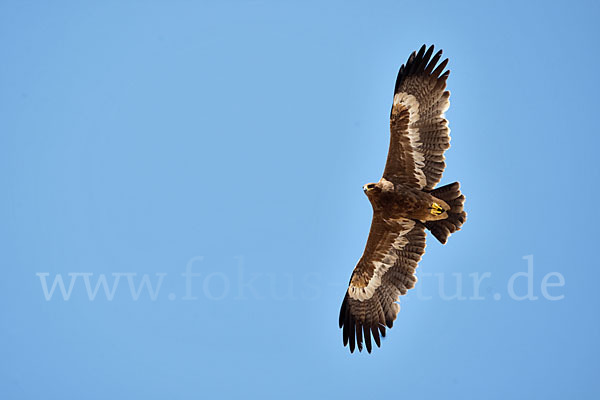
pixel 369 188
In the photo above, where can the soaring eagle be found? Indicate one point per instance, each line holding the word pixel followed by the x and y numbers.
pixel 405 201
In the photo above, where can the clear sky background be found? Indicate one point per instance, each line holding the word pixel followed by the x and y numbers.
pixel 231 140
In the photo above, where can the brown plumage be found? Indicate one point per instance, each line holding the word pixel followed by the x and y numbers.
pixel 404 201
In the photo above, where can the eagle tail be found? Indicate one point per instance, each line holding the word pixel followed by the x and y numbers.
pixel 451 194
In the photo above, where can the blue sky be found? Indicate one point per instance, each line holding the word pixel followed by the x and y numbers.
pixel 231 140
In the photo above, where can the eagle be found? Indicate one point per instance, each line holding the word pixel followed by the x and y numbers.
pixel 405 201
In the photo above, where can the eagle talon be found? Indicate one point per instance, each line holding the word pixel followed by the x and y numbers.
pixel 436 209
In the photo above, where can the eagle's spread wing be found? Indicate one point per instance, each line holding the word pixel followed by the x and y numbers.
pixel 385 271
pixel 419 131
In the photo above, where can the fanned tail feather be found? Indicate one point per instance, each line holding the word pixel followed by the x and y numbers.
pixel 451 194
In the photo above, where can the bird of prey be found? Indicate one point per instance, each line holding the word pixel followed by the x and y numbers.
pixel 405 201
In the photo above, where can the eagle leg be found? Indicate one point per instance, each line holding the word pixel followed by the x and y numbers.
pixel 436 209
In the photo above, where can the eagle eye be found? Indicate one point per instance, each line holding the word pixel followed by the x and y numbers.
pixel 370 186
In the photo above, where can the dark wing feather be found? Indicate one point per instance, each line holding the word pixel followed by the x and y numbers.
pixel 419 132
pixel 385 271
